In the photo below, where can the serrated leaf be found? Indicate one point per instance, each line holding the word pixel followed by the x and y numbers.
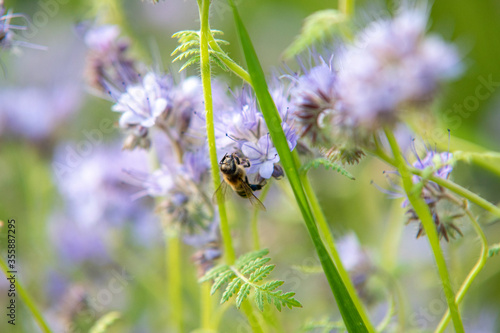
pixel 231 289
pixel 220 280
pixel 250 267
pixel 272 285
pixel 259 299
pixel 494 250
pixel 218 62
pixel 316 27
pixel 242 294
pixel 261 273
pixel 184 46
pixel 213 272
pixel 317 162
pixel 192 61
pixel 244 259
pixel 102 324
pixel 186 54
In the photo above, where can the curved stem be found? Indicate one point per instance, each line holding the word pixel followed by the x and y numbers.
pixel 207 95
pixel 27 300
pixel 255 219
pixel 473 273
pixel 424 214
pixel 461 191
pixel 233 66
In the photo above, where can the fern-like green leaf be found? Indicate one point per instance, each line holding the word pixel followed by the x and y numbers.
pixel 316 27
pixel 261 273
pixel 243 294
pixel 220 280
pixel 232 288
pixel 218 62
pixel 192 61
pixel 494 250
pixel 317 162
pixel 187 45
pixel 104 322
pixel 213 273
pixel 246 276
pixel 186 54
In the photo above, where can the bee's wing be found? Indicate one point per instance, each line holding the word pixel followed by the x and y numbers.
pixel 222 189
pixel 253 199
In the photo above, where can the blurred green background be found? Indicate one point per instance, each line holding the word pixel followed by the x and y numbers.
pixel 29 195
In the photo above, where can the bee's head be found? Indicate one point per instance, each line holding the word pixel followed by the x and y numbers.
pixel 229 163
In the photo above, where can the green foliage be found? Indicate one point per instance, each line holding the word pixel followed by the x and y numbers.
pixel 189 49
pixel 247 274
pixel 494 250
pixel 104 322
pixel 317 162
pixel 316 27
pixel 325 325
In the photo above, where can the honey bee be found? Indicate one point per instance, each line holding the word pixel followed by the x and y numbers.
pixel 234 174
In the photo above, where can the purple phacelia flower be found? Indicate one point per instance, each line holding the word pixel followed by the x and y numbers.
pixel 392 64
pixel 262 156
pixel 143 103
pixel 313 98
pixel 7 30
pixel 432 193
pixel 242 129
pixel 108 68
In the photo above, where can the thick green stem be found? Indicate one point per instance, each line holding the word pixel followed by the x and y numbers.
pixel 330 243
pixel 207 95
pixel 27 300
pixel 252 319
pixel 473 273
pixel 255 219
pixel 422 210
pixel 174 278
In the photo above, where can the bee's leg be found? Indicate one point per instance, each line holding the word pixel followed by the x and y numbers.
pixel 259 186
pixel 245 163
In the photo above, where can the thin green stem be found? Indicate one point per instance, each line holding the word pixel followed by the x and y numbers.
pixel 422 210
pixel 207 95
pixel 330 243
pixel 27 300
pixel 252 319
pixel 461 191
pixel 174 278
pixel 206 307
pixel 472 274
pixel 255 219
pixel 347 7
pixel 233 66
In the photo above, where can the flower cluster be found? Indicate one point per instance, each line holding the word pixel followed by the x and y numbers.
pixel 391 66
pixel 241 128
pixel 434 195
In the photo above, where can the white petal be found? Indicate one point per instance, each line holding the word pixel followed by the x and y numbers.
pixel 266 169
pixel 251 151
pixel 130 118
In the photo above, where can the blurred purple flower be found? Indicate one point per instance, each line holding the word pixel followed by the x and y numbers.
pixel 7 30
pixel 142 104
pixel 34 112
pixel 313 98
pixel 393 64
